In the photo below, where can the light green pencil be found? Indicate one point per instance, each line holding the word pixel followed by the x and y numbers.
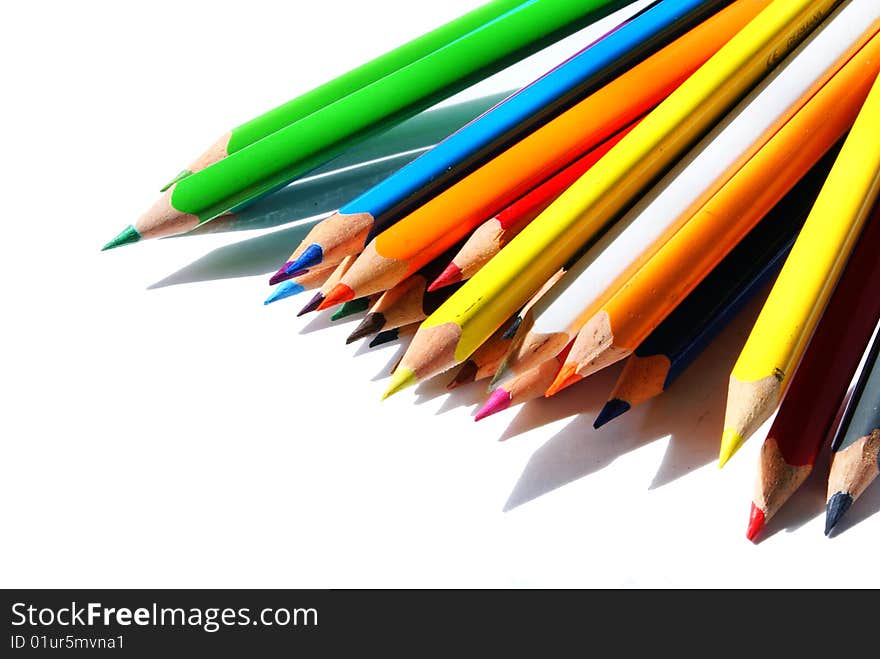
pixel 270 163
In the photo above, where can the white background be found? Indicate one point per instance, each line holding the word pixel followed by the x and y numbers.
pixel 161 428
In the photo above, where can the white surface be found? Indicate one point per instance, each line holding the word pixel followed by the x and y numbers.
pixel 153 437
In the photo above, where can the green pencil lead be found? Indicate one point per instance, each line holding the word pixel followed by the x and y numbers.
pixel 128 235
pixel 176 179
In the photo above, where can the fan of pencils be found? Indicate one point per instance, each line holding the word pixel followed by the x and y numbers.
pixel 625 205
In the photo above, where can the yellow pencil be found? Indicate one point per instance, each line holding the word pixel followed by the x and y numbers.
pixel 810 273
pixel 472 314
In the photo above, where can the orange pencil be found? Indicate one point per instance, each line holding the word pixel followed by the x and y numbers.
pixel 491 236
pixel 335 276
pixel 653 292
pixel 449 217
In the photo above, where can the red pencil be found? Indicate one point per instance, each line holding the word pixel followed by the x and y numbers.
pixel 820 382
pixel 491 236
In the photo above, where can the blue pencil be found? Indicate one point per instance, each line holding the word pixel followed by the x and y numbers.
pixel 363 218
pixel 677 342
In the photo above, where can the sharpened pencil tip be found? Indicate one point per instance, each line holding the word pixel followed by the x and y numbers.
pixel 500 374
pixel 127 236
pixel 340 293
pixel 566 377
pixel 403 377
pixel 284 290
pixel 731 441
pixel 311 305
pixel 385 337
pixel 281 275
pixel 451 275
pixel 177 179
pixel 511 331
pixel 612 409
pixel 371 324
pixel 312 256
pixel 835 509
pixel 351 308
pixel 498 402
pixel 756 523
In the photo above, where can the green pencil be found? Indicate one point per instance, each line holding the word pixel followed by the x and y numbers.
pixel 275 160
pixel 330 92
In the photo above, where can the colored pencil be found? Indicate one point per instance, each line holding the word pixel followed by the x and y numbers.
pixel 526 386
pixel 513 326
pixel 634 309
pixel 491 236
pixel 306 282
pixel 483 362
pixel 340 87
pixel 856 461
pixel 393 335
pixel 417 239
pixel 610 108
pixel 340 269
pixel 277 159
pixel 354 307
pixel 819 385
pixel 470 316
pixel 643 231
pixel 408 302
pixel 676 342
pixel 789 316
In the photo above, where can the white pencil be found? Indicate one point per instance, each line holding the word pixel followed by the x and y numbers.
pixel 557 318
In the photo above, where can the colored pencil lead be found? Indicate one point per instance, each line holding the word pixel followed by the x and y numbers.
pixel 371 324
pixel 351 308
pixel 182 175
pixel 501 373
pixel 567 377
pixel 385 337
pixel 451 275
pixel 835 509
pixel 313 256
pixel 403 378
pixel 338 294
pixel 281 275
pixel 731 441
pixel 312 305
pixel 284 290
pixel 498 402
pixel 466 374
pixel 613 409
pixel 128 235
pixel 756 523
pixel 511 331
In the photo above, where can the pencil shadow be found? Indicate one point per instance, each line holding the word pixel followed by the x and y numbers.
pixel 308 197
pixel 399 350
pixel 579 450
pixel 322 192
pixel 470 395
pixel 247 258
pixel 698 388
pixel 567 403
pixel 320 321
pixel 343 178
